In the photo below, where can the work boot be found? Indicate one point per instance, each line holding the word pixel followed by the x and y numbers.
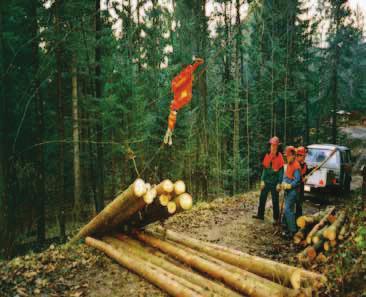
pixel 258 217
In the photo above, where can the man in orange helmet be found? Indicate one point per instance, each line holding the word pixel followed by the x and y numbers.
pixel 271 179
pixel 300 157
pixel 290 184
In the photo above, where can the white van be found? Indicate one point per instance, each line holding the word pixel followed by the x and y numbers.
pixel 335 173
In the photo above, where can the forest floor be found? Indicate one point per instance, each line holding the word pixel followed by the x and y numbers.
pixel 82 271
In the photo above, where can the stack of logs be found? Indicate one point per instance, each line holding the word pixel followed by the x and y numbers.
pixel 138 206
pixel 320 233
pixel 166 259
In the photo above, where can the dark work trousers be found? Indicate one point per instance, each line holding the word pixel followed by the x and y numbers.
pixel 263 199
pixel 300 201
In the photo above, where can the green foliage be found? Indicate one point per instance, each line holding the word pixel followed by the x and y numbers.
pixel 282 87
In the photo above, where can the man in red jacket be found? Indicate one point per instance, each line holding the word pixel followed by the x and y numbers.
pixel 290 184
pixel 271 179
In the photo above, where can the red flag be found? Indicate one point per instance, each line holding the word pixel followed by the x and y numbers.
pixel 182 90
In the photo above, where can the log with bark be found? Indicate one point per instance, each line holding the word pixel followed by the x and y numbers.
pixel 171 207
pixel 152 213
pixel 332 230
pixel 155 257
pixel 179 187
pixel 165 187
pixel 164 199
pixel 285 274
pixel 119 210
pixel 320 225
pixel 343 232
pixel 306 220
pixel 166 281
pixel 326 246
pixel 309 254
pixel 183 201
pixel 319 235
pixel 246 282
pixel 300 235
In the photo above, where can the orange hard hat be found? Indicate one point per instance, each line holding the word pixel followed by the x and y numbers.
pixel 274 140
pixel 290 150
pixel 301 151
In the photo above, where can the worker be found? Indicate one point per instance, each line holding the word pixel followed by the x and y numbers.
pixel 300 157
pixel 290 184
pixel 271 179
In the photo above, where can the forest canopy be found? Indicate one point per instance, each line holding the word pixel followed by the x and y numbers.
pixel 85 92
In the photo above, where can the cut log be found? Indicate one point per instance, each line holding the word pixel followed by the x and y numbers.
pixel 313 219
pixel 331 232
pixel 157 276
pixel 343 232
pixel 285 274
pixel 183 201
pixel 179 187
pixel 164 199
pixel 159 259
pixel 309 254
pixel 165 187
pixel 301 234
pixel 152 213
pixel 251 284
pixel 319 225
pixel 321 258
pixel 326 246
pixel 150 196
pixel 296 277
pixel 319 235
pixel 171 207
pixel 120 209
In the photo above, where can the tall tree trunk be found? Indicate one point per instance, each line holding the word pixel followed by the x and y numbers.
pixel 40 184
pixel 236 132
pixel 335 61
pixel 76 139
pixel 202 86
pixel 307 125
pixel 98 95
pixel 7 166
pixel 60 126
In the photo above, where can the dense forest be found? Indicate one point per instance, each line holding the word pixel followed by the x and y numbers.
pixel 85 90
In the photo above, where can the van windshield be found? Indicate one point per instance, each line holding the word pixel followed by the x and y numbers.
pixel 319 155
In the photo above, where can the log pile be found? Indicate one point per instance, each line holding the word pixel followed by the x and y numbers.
pixel 141 204
pixel 183 266
pixel 320 233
